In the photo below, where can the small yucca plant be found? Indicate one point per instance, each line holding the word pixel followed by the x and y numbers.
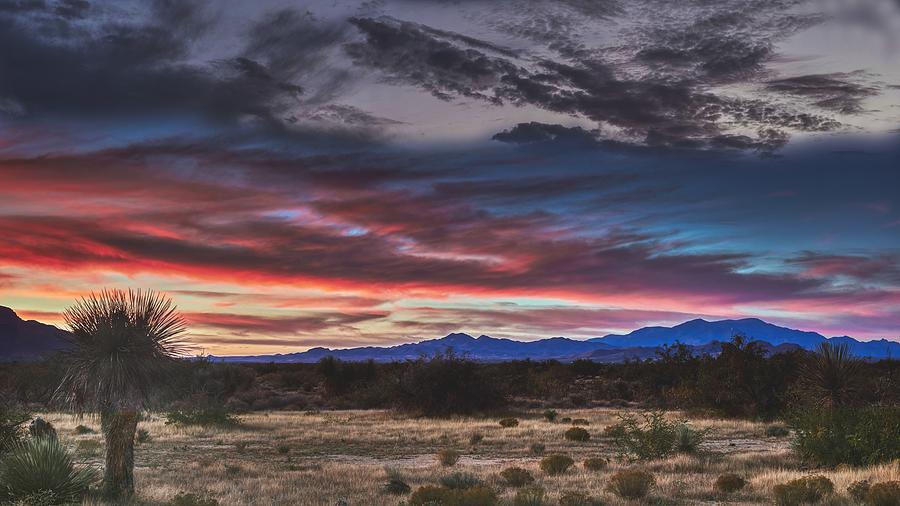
pixel 42 467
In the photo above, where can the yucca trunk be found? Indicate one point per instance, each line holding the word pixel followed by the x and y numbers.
pixel 119 428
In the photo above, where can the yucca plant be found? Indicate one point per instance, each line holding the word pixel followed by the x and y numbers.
pixel 123 344
pixel 830 377
pixel 43 468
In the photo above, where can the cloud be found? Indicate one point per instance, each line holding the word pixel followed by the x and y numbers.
pixel 258 325
pixel 829 91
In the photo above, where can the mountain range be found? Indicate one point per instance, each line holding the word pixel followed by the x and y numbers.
pixel 31 340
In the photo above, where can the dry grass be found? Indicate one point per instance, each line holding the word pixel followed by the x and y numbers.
pixel 344 454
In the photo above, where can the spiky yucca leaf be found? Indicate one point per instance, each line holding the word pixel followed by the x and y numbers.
pixel 42 467
pixel 122 343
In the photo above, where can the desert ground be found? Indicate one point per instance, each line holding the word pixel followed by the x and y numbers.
pixel 343 457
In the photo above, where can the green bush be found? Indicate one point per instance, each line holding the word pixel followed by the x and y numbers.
pixel 631 484
pixel 729 483
pixel 142 436
pixel 509 422
pixel 565 419
pixel 530 496
pixel 578 499
pixel 396 486
pixel 516 477
pixel 537 448
pixel 860 436
pixel 806 490
pixel 577 434
pixel 556 464
pixel 41 465
pixel 210 417
pixel 461 481
pixel 83 429
pixel 183 499
pixel 550 415
pixel 12 421
pixel 595 464
pixel 858 490
pixel 283 449
pixel 448 457
pixel 652 438
pixel 777 431
pixel 884 494
pixel 429 495
pixel 687 438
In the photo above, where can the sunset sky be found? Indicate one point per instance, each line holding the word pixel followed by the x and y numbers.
pixel 337 173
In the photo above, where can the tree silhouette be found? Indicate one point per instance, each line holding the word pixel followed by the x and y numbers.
pixel 123 343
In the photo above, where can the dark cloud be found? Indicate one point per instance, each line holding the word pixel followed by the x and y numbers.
pixel 837 92
pixel 882 268
pixel 251 324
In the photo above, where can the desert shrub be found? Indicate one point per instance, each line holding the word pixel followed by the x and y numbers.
pixel 687 438
pixel 595 464
pixel 855 436
pixel 476 438
pixel 476 496
pixel 565 419
pixel 83 429
pixel 806 490
pixel 207 417
pixel 631 484
pixel 516 477
pixel 858 490
pixel 556 464
pixel 729 483
pixel 283 449
pixel 530 496
pixel 41 465
pixel 509 422
pixel 577 434
pixel 12 420
pixel 183 499
pixel 40 428
pixel 580 421
pixel 447 385
pixel 550 415
pixel 460 481
pixel 578 499
pixel 142 436
pixel 614 430
pixel 777 431
pixel 537 448
pixel 653 438
pixel 396 486
pixel 448 457
pixel 884 494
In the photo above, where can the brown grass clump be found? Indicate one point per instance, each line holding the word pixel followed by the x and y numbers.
pixel 729 483
pixel 530 496
pixel 580 421
pixel 858 490
pixel 806 490
pixel 477 496
pixel 516 477
pixel 578 499
pixel 577 434
pixel 595 464
pixel 631 484
pixel 556 464
pixel 509 422
pixel 884 494
pixel 448 457
pixel 182 499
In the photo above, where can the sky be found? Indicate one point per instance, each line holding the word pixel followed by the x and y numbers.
pixel 337 173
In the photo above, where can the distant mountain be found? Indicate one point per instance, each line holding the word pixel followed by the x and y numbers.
pixel 699 331
pixel 484 348
pixel 703 337
pixel 30 340
pixel 27 340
